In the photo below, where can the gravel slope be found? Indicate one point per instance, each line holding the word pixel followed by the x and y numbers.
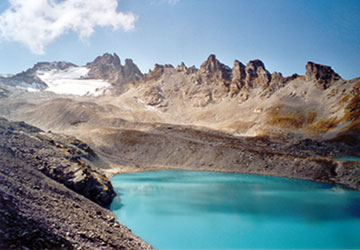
pixel 37 212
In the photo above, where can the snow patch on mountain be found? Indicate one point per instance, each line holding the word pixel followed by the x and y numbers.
pixel 72 81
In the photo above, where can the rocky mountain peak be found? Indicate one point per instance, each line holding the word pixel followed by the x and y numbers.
pixel 106 60
pixel 211 65
pixel 322 75
pixel 108 67
pixel 129 61
pixel 238 71
pixel 256 74
pixel 255 64
pixel 131 71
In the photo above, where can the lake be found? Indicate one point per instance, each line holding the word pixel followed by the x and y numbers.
pixel 176 209
pixel 347 158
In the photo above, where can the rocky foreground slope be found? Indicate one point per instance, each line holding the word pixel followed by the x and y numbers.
pixel 46 188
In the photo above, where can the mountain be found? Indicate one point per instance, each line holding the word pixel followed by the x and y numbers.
pixel 67 78
pixel 108 67
pixel 244 101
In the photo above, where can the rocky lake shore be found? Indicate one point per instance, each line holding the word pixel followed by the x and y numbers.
pixel 51 199
pixel 53 188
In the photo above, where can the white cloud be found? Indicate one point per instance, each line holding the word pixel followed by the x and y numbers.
pixel 36 23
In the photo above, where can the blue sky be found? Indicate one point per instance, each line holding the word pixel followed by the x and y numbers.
pixel 284 34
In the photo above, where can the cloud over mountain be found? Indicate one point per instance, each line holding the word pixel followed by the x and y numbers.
pixel 37 23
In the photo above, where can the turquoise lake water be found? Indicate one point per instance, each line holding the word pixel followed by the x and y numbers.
pixel 207 210
pixel 347 158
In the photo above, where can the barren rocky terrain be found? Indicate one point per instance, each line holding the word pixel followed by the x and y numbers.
pixel 46 188
pixel 215 118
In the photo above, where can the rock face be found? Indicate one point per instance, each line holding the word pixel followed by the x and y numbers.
pixel 323 75
pixel 238 82
pixel 238 78
pixel 62 158
pixel 156 73
pixel 108 67
pixel 214 68
pixel 131 71
pixel 256 75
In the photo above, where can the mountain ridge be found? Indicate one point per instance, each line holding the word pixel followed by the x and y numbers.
pixel 245 101
pixel 289 104
pixel 109 67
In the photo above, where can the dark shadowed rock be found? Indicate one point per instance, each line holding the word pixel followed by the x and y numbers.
pixel 131 71
pixel 322 75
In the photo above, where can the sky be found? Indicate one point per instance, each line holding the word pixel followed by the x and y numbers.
pixel 284 34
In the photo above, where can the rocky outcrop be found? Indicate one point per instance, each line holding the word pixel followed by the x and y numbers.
pixel 277 82
pixel 256 75
pixel 322 75
pixel 213 68
pixel 215 77
pixel 37 212
pixel 238 78
pixel 237 82
pixel 62 158
pixel 157 72
pixel 108 67
pixel 131 72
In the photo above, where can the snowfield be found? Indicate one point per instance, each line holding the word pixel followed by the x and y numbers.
pixel 71 81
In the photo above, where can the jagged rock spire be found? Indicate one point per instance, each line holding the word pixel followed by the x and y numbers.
pixel 256 74
pixel 211 64
pixel 322 75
